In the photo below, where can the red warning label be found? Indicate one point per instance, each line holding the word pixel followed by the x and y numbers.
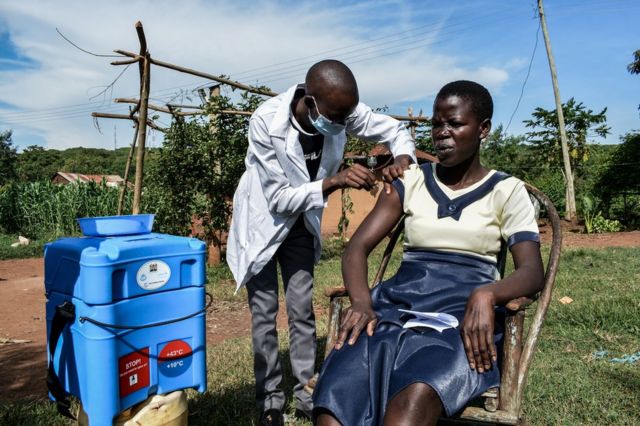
pixel 175 358
pixel 133 369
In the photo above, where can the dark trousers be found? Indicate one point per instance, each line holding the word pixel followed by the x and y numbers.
pixel 296 259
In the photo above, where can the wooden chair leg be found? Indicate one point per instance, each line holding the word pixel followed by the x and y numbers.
pixel 335 315
pixel 513 340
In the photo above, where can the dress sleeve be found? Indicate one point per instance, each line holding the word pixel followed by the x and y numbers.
pixel 518 218
pixel 399 186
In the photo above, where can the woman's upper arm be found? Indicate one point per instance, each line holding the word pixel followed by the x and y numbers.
pixel 379 222
pixel 527 260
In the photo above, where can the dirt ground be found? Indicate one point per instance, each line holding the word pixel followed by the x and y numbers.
pixel 23 323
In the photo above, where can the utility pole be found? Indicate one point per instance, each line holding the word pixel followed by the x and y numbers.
pixel 571 213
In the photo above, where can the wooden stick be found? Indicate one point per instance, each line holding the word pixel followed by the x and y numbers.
pixel 241 86
pixel 127 167
pixel 142 117
pixel 238 112
pixel 126 62
pixel 126 117
pixel 185 106
pixel 110 115
pixel 223 80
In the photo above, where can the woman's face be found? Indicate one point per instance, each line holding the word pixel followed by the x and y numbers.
pixel 456 130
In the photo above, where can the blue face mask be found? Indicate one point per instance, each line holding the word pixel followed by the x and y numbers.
pixel 324 125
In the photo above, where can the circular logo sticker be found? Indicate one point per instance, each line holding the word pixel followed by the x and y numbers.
pixel 175 358
pixel 153 275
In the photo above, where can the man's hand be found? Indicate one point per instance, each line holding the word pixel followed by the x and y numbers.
pixel 395 170
pixel 356 176
pixel 477 330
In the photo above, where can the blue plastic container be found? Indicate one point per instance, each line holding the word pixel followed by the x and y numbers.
pixel 109 226
pixel 139 324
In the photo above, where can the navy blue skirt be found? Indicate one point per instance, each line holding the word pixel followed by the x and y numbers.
pixel 356 382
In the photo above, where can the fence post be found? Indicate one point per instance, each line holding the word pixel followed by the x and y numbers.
pixel 145 80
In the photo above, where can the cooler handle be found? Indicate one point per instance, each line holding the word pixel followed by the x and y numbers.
pixel 155 324
pixel 65 314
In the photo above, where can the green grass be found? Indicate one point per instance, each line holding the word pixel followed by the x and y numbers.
pixel 34 249
pixel 567 384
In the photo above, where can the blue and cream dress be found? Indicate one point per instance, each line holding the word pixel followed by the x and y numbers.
pixel 452 240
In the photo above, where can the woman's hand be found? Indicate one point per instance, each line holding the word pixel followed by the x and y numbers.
pixel 477 330
pixel 358 317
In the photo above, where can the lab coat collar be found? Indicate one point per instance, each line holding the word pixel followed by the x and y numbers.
pixel 280 123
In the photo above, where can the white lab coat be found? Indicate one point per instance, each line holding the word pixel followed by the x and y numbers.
pixel 276 188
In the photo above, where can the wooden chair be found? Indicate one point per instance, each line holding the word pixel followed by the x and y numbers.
pixel 501 405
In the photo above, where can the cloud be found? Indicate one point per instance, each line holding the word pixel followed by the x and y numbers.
pixel 395 60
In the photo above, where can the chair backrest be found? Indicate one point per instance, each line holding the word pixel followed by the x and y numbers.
pixel 544 297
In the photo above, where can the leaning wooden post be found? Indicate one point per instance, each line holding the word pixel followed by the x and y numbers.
pixel 145 80
pixel 124 188
pixel 215 238
pixel 412 124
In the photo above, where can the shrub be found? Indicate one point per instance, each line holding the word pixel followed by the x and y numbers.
pixel 600 224
pixel 44 210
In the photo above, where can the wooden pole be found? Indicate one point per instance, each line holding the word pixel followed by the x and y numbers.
pixel 142 117
pixel 571 213
pixel 127 117
pixel 416 119
pixel 185 70
pixel 215 238
pixel 124 188
pixel 412 126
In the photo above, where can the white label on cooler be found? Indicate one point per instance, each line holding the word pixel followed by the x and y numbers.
pixel 153 275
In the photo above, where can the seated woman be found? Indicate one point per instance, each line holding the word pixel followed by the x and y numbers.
pixel 457 214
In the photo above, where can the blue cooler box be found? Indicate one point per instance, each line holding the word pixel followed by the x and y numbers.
pixel 125 317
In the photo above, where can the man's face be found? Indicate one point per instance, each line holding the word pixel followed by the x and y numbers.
pixel 334 106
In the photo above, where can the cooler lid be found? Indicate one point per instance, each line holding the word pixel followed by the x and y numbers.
pixel 108 226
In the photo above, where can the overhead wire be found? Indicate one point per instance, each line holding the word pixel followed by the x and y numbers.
pixel 524 83
pixel 85 50
pixel 348 54
pixel 13 115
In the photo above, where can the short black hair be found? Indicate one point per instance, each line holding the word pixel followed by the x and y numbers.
pixel 328 75
pixel 477 94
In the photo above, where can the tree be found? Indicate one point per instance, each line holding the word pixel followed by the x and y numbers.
pixel 198 168
pixel 8 158
pixel 506 153
pixel 582 126
pixel 634 67
pixel 622 177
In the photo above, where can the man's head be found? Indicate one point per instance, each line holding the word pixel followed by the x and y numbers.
pixel 331 91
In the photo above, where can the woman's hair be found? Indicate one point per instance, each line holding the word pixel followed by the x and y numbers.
pixel 478 95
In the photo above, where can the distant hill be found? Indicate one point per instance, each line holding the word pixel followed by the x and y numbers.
pixel 36 163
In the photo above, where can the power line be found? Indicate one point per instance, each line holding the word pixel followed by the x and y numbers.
pixel 84 50
pixel 270 74
pixel 392 41
pixel 348 54
pixel 524 83
pixel 112 83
